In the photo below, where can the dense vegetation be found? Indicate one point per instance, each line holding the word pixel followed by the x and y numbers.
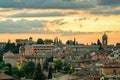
pixel 30 70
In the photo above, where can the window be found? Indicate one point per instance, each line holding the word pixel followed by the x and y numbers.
pixel 114 72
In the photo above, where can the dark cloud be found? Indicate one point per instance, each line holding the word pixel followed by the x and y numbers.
pixel 48 4
pixel 48 14
pixel 20 26
pixel 26 26
pixel 107 7
pixel 91 6
pixel 59 22
pixel 109 2
pixel 108 11
pixel 37 26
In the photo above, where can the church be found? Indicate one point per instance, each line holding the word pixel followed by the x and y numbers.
pixel 105 39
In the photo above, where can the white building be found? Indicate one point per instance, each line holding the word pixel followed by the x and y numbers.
pixel 115 54
pixel 11 58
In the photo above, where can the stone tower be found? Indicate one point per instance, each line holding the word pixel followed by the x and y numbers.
pixel 105 39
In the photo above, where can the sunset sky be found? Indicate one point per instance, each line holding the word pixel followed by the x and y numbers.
pixel 85 20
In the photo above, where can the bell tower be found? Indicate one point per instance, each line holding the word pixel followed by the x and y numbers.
pixel 22 55
pixel 105 39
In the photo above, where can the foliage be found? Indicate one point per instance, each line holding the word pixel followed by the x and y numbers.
pixel 1 57
pixel 98 42
pixel 69 42
pixel 45 65
pixel 8 69
pixel 11 47
pixel 66 68
pixel 39 75
pixel 29 69
pixel 50 73
pixel 118 45
pixel 40 41
pixel 50 59
pixel 58 65
pixel 16 49
pixel 46 62
pixel 48 41
pixel 18 73
pixel 100 47
pixel 2 65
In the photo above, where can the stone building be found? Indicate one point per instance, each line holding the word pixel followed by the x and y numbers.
pixel 110 67
pixel 11 58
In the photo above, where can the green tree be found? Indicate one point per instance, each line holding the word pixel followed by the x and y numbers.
pixel 48 41
pixel 45 65
pixel 39 75
pixel 58 65
pixel 50 72
pixel 46 62
pixel 118 45
pixel 100 47
pixel 69 42
pixel 29 69
pixel 8 69
pixel 11 47
pixel 18 73
pixel 16 49
pixel 49 59
pixel 1 57
pixel 66 68
pixel 40 41
pixel 7 46
pixel 98 42
pixel 2 65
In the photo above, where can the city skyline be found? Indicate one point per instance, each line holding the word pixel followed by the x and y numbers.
pixel 85 20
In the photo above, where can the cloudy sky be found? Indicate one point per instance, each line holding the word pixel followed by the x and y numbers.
pixel 86 20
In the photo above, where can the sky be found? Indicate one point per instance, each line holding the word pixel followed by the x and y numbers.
pixel 85 20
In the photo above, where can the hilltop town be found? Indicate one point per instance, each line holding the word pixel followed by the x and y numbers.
pixel 52 60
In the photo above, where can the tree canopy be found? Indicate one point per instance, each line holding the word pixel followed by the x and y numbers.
pixel 39 75
pixel 40 41
pixel 11 47
pixel 50 72
pixel 58 65
pixel 29 69
pixel 98 42
pixel 48 41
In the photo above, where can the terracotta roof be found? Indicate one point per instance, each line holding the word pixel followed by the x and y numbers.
pixel 111 63
pixel 33 57
pixel 8 54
